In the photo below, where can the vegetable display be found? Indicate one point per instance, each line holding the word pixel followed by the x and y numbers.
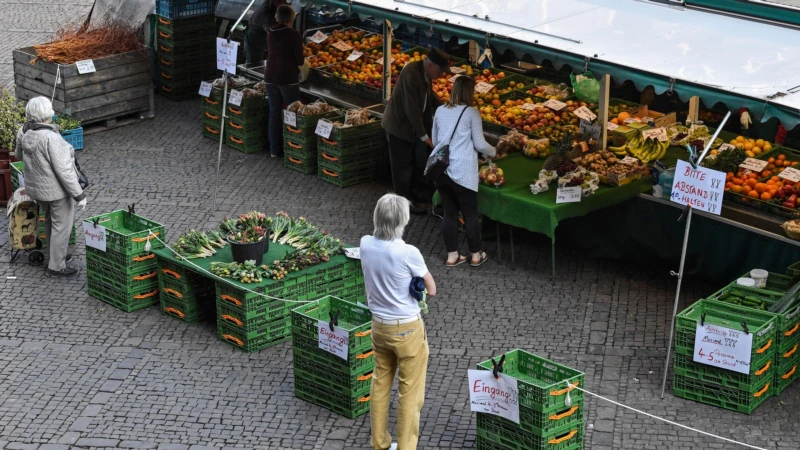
pixel 76 43
pixel 67 123
pixel 197 244
pixel 247 272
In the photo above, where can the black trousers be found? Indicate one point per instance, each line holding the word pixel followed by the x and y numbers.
pixel 407 161
pixel 457 198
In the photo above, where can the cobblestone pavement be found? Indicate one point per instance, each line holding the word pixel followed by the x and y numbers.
pixel 77 373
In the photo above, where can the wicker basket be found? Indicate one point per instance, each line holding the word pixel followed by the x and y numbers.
pixel 792 234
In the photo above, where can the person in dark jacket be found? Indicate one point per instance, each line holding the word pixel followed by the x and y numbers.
pixel 282 73
pixel 255 36
pixel 409 117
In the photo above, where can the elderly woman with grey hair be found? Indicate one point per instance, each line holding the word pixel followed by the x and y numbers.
pixel 51 179
pixel 399 339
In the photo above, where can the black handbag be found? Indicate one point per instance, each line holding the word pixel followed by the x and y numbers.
pixel 439 160
pixel 83 180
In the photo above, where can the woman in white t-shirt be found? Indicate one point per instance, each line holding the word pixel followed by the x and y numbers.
pixel 399 339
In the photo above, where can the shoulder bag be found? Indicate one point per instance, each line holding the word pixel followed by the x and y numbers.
pixel 439 160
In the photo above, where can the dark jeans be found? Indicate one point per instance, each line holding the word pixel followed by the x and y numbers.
pixel 255 42
pixel 407 164
pixel 279 96
pixel 457 198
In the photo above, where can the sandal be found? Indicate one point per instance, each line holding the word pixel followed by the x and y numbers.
pixel 461 260
pixel 483 259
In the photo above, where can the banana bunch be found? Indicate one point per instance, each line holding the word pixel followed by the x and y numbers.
pixel 645 149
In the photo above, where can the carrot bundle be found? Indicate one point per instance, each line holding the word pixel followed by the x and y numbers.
pixel 75 43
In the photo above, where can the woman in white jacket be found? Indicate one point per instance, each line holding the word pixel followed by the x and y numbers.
pixel 458 188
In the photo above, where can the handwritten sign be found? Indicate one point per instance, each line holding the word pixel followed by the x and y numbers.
pixel 483 87
pixel 555 105
pixel 632 120
pixel 585 114
pixel 453 78
pixel 499 397
pixel 629 160
pixel 594 130
pixel 611 126
pixel 324 128
pixel 791 174
pixel 85 66
pixel 529 106
pixel 342 46
pixel 318 38
pixel 457 70
pixel 725 147
pixel 289 118
pixel 701 188
pixel 335 342
pixel 94 235
pixel 723 347
pixel 756 165
pixel 226 55
pixel 236 97
pixel 355 55
pixel 205 89
pixel 570 194
pixel 380 61
pixel 656 133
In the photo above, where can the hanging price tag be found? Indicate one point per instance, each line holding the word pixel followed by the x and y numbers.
pixel 205 88
pixel 585 114
pixel 570 194
pixel 529 106
pixel 354 56
pixel 342 46
pixel 629 160
pixel 756 165
pixel 336 342
pixel 85 66
pixel 725 147
pixel 483 87
pixel 457 70
pixel 236 98
pixel 791 174
pixel 289 118
pixel 555 105
pixel 611 126
pixel 226 55
pixel 324 128
pixel 318 37
pixel 94 235
pixel 656 133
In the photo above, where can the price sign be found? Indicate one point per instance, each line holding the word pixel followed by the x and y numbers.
pixel 289 118
pixel 791 174
pixel 725 147
pixel 585 114
pixel 555 105
pixel 723 347
pixel 318 38
pixel 235 97
pixel 226 55
pixel 570 194
pixel 382 60
pixel 342 46
pixel 483 87
pixel 632 120
pixel 756 165
pixel 700 188
pixel 592 129
pixel 611 126
pixel 205 88
pixel 457 70
pixel 354 56
pixel 630 160
pixel 656 133
pixel 324 128
pixel 334 341
pixel 499 397
pixel 94 235
pixel 453 78
pixel 85 66
pixel 529 106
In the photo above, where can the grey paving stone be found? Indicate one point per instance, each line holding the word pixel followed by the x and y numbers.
pixel 54 447
pixel 69 438
pixel 96 442
pixel 137 444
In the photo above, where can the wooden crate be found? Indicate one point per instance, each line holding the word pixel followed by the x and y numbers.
pixel 121 86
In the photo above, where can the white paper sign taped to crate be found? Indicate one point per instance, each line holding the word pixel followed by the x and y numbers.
pixel 488 395
pixel 85 66
pixel 236 97
pixel 701 188
pixel 324 128
pixel 318 37
pixel 226 55
pixel 354 55
pixel 723 347
pixel 570 194
pixel 205 89
pixel 335 342
pixel 791 174
pixel 756 165
pixel 289 118
pixel 94 235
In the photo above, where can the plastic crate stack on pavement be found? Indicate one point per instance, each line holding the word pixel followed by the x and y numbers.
pixel 125 275
pixel 547 420
pixel 332 355
pixel 729 389
pixel 351 155
pixel 185 46
pixel 184 294
pixel 299 140
pixel 246 123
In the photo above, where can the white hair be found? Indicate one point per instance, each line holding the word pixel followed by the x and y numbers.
pixel 39 109
pixel 391 217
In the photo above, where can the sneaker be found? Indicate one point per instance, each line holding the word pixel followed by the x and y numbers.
pixel 68 258
pixel 418 210
pixel 274 156
pixel 67 272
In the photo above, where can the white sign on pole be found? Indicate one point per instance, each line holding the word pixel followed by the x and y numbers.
pixel 324 128
pixel 499 397
pixel 85 66
pixel 335 342
pixel 701 188
pixel 95 235
pixel 723 347
pixel 289 118
pixel 226 55
pixel 236 97
pixel 205 89
pixel 570 194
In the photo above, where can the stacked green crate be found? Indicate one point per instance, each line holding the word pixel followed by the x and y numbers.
pixel 351 155
pixel 339 384
pixel 185 55
pixel 300 142
pixel 125 275
pixel 742 392
pixel 246 124
pixel 184 294
pixel 547 419
pixel 17 169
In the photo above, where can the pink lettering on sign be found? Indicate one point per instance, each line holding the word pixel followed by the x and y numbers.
pixel 696 174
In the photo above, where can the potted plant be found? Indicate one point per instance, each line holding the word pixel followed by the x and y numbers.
pixel 12 116
pixel 249 239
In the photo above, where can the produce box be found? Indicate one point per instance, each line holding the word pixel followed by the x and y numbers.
pixel 761 300
pixel 303 164
pixel 686 367
pixel 622 134
pixel 129 233
pixel 307 349
pixel 303 151
pixel 346 164
pixel 342 179
pixel 184 294
pixel 271 334
pixel 372 142
pixel 776 282
pixel 130 264
pixel 119 296
pixel 176 9
pixel 350 406
pixel 245 145
pixel 722 397
pixel 505 436
pixel 212 131
pixel 354 318
pixel 332 381
pixel 538 423
pixel 305 127
pixel 185 26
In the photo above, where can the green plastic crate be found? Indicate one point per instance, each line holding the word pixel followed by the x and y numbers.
pixel 252 327
pixel 212 132
pixel 183 310
pixel 273 333
pixel 354 318
pixel 306 150
pixel 247 307
pixel 685 366
pixel 254 130
pixel 129 233
pixel 542 383
pixel 252 109
pixel 308 349
pixel 786 375
pixel 176 43
pixel 776 282
pixel 187 25
pixel 348 135
pixel 733 399
pixel 178 91
pixel 342 179
pixel 293 288
pixel 375 143
pixel 120 297
pixel 245 145
pixel 305 166
pixel 306 127
pixel 212 106
pixel 512 437
pixel 130 282
pixel 348 406
pixel 788 323
pixel 120 261
pixel 540 423
pixel 347 164
pixel 483 443
pixel 184 71
pixel 331 380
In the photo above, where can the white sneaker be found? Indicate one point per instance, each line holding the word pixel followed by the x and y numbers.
pixel 394 446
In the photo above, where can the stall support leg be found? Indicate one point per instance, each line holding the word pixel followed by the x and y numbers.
pixel 497 233
pixel 511 240
pixel 553 261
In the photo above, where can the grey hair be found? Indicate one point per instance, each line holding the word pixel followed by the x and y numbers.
pixel 391 217
pixel 39 109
